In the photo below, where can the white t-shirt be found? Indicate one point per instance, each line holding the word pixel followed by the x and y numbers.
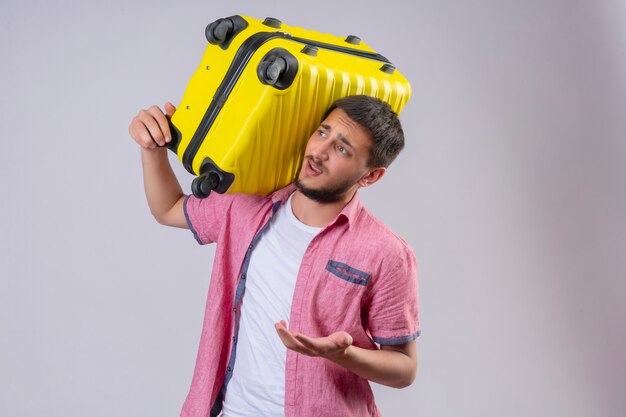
pixel 257 387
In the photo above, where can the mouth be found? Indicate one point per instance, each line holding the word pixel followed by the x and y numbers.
pixel 315 167
pixel 312 169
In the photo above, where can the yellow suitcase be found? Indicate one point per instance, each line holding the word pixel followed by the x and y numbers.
pixel 261 89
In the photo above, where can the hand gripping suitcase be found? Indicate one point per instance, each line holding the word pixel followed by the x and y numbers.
pixel 261 89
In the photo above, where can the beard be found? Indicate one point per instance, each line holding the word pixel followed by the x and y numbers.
pixel 330 194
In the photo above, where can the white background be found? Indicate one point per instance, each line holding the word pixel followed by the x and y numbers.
pixel 511 190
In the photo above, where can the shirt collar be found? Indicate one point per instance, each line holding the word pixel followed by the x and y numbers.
pixel 347 214
pixel 283 194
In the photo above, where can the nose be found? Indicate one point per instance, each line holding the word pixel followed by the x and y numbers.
pixel 320 150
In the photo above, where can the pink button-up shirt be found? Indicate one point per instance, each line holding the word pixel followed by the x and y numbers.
pixel 356 276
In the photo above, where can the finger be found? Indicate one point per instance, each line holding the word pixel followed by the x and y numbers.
pixel 153 129
pixel 145 122
pixel 148 141
pixel 291 343
pixel 309 343
pixel 286 336
pixel 163 134
pixel 322 346
pixel 343 339
pixel 139 132
pixel 281 325
pixel 326 345
pixel 169 110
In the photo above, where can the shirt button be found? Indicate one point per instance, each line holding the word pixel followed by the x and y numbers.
pixel 243 276
pixel 234 339
pixel 235 309
pixel 228 369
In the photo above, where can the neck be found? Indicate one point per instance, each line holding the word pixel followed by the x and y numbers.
pixel 315 214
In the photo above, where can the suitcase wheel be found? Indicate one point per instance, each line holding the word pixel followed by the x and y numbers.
pixel 223 31
pixel 202 186
pixel 278 68
pixel 271 71
pixel 211 178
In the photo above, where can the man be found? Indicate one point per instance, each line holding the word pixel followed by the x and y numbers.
pixel 310 296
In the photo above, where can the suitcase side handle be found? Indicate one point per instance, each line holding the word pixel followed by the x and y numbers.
pixel 176 137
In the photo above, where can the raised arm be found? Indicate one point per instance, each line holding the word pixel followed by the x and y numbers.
pixel 150 129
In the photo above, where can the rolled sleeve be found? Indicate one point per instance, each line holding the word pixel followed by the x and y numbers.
pixel 393 313
pixel 206 216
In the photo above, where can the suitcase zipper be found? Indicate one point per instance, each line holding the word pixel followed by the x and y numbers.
pixel 243 55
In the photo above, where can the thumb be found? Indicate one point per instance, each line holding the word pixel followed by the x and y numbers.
pixel 169 109
pixel 343 339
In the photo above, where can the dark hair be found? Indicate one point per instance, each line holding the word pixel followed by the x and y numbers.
pixel 380 121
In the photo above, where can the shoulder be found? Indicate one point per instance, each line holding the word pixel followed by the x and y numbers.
pixel 370 228
pixel 216 209
pixel 227 201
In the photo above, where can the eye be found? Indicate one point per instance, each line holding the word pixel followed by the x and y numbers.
pixel 342 149
pixel 321 133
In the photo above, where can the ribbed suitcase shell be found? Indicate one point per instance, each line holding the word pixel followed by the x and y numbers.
pixel 257 132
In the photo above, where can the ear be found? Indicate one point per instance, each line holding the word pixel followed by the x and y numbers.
pixel 373 176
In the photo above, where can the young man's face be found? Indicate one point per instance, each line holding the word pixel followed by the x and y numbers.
pixel 335 159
